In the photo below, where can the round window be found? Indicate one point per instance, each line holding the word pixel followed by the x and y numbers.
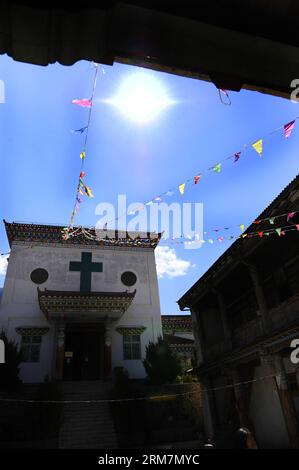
pixel 128 278
pixel 39 276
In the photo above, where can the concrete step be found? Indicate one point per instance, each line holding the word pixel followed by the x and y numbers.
pixel 86 425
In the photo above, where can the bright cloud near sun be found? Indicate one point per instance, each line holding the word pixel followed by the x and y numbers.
pixel 3 265
pixel 141 98
pixel 169 264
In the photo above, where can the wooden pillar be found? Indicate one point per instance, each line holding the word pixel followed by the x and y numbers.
pixel 198 336
pixel 240 398
pixel 222 309
pixel 60 351
pixel 259 293
pixel 287 402
pixel 107 353
pixel 208 407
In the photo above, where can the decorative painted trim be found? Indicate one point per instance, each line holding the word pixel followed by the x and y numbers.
pixel 32 330
pixel 182 348
pixel 68 301
pixel 54 234
pixel 130 330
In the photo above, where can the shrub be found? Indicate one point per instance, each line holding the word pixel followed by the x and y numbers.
pixel 9 372
pixel 160 363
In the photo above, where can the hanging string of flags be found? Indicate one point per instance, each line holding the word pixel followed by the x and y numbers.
pixel 82 188
pixel 271 220
pixel 217 167
pixel 266 231
pixel 257 146
pixel 280 231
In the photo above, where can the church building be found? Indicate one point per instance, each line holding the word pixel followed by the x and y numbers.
pixel 80 306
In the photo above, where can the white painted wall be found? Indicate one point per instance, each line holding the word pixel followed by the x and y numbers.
pixel 19 305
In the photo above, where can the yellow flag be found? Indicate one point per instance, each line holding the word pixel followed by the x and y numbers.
pixel 88 191
pixel 182 188
pixel 258 146
pixel 242 227
pixel 82 155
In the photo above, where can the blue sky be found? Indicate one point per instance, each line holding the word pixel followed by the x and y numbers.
pixel 40 156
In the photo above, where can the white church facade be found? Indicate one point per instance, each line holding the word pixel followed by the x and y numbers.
pixel 79 307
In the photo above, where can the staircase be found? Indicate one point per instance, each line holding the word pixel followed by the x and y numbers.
pixel 86 425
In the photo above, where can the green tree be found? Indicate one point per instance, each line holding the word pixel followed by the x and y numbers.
pixel 161 364
pixel 9 372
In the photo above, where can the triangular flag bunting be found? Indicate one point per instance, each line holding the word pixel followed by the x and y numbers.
pixel 88 191
pixel 182 188
pixel 288 129
pixel 290 215
pixel 278 231
pixel 217 168
pixel 242 226
pixel 237 156
pixel 85 103
pixel 258 146
pixel 196 178
pixel 82 155
pixel 272 220
pixel 79 131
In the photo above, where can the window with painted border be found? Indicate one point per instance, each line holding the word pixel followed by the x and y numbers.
pixel 30 348
pixel 131 347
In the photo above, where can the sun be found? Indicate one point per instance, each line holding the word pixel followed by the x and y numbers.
pixel 141 98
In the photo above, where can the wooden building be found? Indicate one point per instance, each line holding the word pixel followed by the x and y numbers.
pixel 245 313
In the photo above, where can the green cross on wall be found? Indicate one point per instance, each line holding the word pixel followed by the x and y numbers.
pixel 86 267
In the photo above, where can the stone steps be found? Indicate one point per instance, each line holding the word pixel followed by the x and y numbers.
pixel 86 426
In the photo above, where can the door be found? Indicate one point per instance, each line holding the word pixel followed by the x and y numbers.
pixel 83 359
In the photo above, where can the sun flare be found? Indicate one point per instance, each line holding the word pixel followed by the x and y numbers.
pixel 141 98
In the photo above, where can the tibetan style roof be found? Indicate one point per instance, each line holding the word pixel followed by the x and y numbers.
pixel 53 302
pixel 176 323
pixel 22 232
pixel 286 201
pixel 180 345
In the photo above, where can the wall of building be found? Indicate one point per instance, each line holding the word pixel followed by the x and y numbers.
pixel 19 305
pixel 266 413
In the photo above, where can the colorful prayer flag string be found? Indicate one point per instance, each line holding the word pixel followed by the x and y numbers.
pixel 257 146
pixel 82 188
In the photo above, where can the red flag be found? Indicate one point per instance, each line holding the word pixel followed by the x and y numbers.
pixel 290 215
pixel 260 234
pixel 288 128
pixel 196 178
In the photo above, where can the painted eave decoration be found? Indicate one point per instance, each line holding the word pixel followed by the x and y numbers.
pixel 56 302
